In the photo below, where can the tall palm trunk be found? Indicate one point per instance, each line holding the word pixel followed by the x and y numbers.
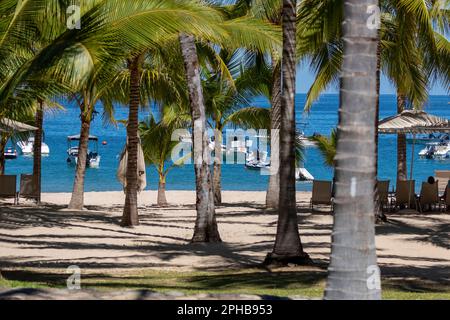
pixel 353 271
pixel 288 247
pixel 130 212
pixel 205 226
pixel 380 216
pixel 273 190
pixel 162 200
pixel 217 174
pixel 37 147
pixel 3 142
pixel 77 199
pixel 401 141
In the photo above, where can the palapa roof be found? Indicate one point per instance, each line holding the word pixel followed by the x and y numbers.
pixel 7 125
pixel 412 121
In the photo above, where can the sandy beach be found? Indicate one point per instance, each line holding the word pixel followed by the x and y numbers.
pixel 50 236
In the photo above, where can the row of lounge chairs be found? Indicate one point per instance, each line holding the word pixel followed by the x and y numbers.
pixel 28 187
pixel 436 195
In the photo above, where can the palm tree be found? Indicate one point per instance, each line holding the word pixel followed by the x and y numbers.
pixel 407 51
pixel 228 89
pixel 353 271
pixel 288 247
pixel 206 226
pixel 130 212
pixel 37 147
pixel 158 147
pixel 270 10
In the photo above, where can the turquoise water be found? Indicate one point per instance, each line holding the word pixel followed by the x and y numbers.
pixel 58 175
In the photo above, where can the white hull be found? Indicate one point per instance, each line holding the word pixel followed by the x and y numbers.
pixel 26 147
pixel 92 162
pixel 303 175
pixel 436 151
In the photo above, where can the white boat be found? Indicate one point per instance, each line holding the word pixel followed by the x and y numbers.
pixel 442 151
pixel 93 158
pixel 10 153
pixel 26 147
pixel 306 142
pixel 436 150
pixel 257 160
pixel 301 174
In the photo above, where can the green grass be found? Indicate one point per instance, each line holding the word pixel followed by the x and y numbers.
pixel 306 283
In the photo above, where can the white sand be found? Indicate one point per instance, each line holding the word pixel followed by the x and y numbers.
pixel 52 236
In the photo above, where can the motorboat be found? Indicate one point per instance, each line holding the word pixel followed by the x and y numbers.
pixel 306 141
pixel 27 147
pixel 436 150
pixel 442 151
pixel 10 153
pixel 301 174
pixel 93 158
pixel 257 160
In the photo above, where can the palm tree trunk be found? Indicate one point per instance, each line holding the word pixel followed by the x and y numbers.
pixel 162 200
pixel 379 215
pixel 353 272
pixel 37 148
pixel 205 226
pixel 401 142
pixel 273 190
pixel 3 142
pixel 130 215
pixel 217 174
pixel 77 199
pixel 288 247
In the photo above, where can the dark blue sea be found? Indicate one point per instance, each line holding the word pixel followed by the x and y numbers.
pixel 58 175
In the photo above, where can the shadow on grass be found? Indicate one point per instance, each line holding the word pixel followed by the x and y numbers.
pixel 252 281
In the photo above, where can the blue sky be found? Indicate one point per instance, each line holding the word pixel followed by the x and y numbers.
pixel 305 78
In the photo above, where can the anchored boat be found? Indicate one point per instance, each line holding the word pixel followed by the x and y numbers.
pixel 10 153
pixel 93 158
pixel 436 150
pixel 27 147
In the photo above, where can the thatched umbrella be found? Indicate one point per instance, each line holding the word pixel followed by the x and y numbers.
pixel 414 122
pixel 8 125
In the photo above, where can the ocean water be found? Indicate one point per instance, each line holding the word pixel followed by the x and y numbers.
pixel 58 175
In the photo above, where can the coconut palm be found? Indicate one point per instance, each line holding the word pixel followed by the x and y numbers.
pixel 409 50
pixel 288 247
pixel 270 11
pixel 158 148
pixel 228 99
pixel 353 271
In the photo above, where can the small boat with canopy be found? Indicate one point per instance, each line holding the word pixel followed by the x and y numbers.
pixel 93 157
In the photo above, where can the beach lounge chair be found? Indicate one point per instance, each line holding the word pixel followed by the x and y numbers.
pixel 8 185
pixel 322 194
pixel 404 195
pixel 445 199
pixel 429 195
pixel 28 187
pixel 383 193
pixel 443 176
